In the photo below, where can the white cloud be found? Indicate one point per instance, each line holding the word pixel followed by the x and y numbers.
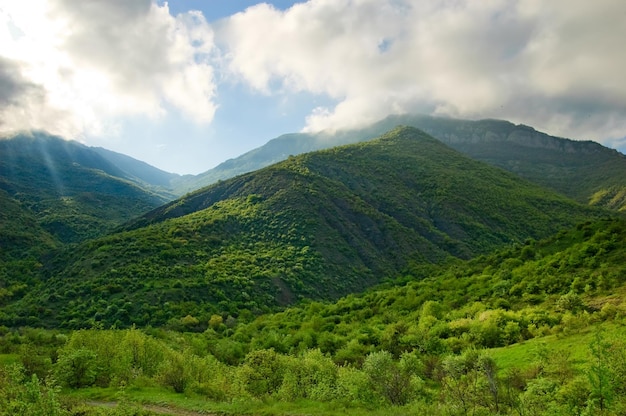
pixel 77 67
pixel 557 65
pixel 86 67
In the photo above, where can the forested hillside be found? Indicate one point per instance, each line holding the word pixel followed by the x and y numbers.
pixel 535 328
pixel 316 226
pixel 72 192
pixel 583 170
pixel 524 291
pixel 53 193
pixel 394 276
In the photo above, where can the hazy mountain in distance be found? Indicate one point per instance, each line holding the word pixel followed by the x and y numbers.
pixel 154 178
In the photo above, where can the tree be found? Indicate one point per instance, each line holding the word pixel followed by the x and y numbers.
pixel 311 375
pixel 76 367
pixel 470 381
pixel 215 321
pixel 488 367
pixel 538 397
pixel 391 380
pixel 570 302
pixel 262 372
pixel 600 374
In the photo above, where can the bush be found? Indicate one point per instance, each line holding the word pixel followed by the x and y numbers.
pixel 312 375
pixel 76 368
pixel 174 372
pixel 393 381
pixel 354 387
pixel 20 395
pixel 262 372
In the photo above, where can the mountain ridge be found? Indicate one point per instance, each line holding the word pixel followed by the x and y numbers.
pixel 157 180
pixel 583 170
pixel 318 225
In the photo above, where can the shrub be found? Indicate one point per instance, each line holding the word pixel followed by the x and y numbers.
pixel 262 372
pixel 76 368
pixel 312 375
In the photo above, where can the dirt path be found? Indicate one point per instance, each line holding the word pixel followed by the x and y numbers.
pixel 159 410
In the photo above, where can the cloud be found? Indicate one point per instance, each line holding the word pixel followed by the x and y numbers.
pixel 91 63
pixel 12 85
pixel 17 93
pixel 85 67
pixel 555 65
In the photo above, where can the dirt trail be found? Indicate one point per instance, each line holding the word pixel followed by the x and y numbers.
pixel 159 410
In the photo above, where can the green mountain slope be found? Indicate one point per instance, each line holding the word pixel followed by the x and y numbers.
pixel 320 225
pixel 583 170
pixel 72 191
pixel 537 328
pixel 22 242
pixel 274 151
pixel 21 235
pixel 522 292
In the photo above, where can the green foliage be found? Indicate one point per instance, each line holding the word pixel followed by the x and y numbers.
pixel 473 304
pixel 466 383
pixel 582 170
pixel 322 225
pixel 602 390
pixel 354 388
pixel 394 382
pixel 35 360
pixel 76 368
pixel 262 373
pixel 72 191
pixel 316 226
pixel 20 395
pixel 312 375
pixel 469 383
pixel 175 372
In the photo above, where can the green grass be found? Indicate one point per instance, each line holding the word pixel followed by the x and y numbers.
pixel 574 346
pixel 307 407
pixel 158 396
pixel 8 359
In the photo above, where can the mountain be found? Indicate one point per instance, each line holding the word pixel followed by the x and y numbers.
pixel 153 178
pixel 274 151
pixel 68 189
pixel 491 301
pixel 583 170
pixel 319 226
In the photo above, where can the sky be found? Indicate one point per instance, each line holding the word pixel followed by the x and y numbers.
pixel 187 84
